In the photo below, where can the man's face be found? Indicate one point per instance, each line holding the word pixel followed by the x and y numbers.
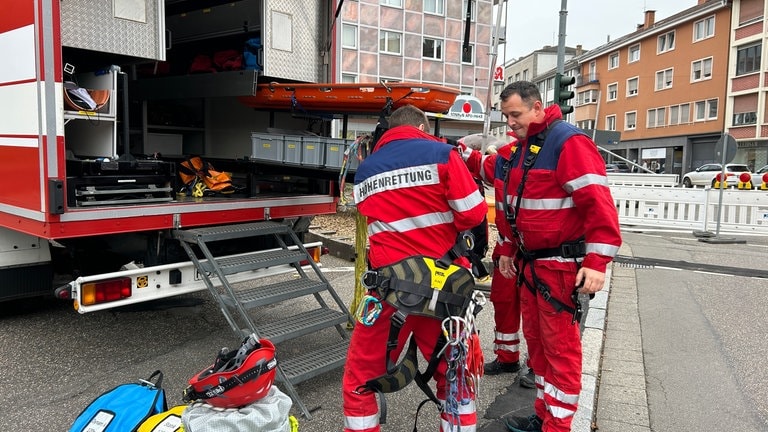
pixel 519 115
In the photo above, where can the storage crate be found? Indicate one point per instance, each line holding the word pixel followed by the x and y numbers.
pixel 292 149
pixel 312 151
pixel 267 147
pixel 334 152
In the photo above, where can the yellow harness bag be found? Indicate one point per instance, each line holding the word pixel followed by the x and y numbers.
pixel 166 421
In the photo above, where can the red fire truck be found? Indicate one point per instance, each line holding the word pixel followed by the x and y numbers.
pixel 100 102
pixel 101 105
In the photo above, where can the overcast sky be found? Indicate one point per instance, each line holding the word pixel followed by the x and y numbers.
pixel 589 22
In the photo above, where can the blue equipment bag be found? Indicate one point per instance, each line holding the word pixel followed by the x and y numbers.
pixel 124 408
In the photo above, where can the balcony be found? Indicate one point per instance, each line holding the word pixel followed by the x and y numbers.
pixel 582 80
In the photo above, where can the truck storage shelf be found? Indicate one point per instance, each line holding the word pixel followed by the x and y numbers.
pixel 219 84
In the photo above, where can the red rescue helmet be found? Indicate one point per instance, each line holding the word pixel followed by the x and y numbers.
pixel 237 377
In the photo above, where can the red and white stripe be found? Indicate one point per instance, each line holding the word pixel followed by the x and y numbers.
pixel 29 114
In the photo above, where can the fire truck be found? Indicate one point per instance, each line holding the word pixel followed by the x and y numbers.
pixel 102 102
pixel 105 104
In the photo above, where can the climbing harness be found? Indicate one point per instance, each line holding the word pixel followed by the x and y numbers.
pixel 434 288
pixel 575 249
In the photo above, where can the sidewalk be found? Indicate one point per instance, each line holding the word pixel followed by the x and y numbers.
pixel 622 404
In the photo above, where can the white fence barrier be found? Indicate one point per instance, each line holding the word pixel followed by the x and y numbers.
pixel 742 211
pixel 643 179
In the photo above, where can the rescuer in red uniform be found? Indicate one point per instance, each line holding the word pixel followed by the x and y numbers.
pixel 560 230
pixel 505 294
pixel 417 195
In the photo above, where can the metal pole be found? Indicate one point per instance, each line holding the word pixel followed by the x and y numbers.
pixel 491 71
pixel 722 187
pixel 561 37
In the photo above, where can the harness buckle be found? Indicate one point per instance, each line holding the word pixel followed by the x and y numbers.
pixel 370 279
pixel 573 249
pixel 577 309
pixel 398 318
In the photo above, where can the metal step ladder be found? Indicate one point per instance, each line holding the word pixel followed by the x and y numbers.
pixel 238 300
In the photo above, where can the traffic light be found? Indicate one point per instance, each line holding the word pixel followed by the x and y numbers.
pixel 562 94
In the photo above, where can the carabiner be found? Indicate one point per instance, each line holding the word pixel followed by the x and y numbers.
pixel 368 310
pixel 453 326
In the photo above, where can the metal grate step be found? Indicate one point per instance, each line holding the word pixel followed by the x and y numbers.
pixel 301 324
pixel 277 292
pixel 254 261
pixel 228 232
pixel 314 363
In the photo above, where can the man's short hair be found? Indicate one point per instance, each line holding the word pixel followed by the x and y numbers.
pixel 528 92
pixel 409 115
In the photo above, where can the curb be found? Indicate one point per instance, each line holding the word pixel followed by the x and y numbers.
pixel 592 339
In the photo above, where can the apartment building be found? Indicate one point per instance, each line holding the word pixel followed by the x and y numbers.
pixel 662 87
pixel 746 113
pixel 539 67
pixel 420 41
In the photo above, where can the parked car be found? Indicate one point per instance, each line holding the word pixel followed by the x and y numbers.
pixel 620 167
pixel 757 176
pixel 706 174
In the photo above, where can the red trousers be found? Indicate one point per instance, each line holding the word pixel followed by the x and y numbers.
pixel 366 360
pixel 505 297
pixel 554 345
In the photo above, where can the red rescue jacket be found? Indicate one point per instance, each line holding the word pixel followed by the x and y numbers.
pixel 566 194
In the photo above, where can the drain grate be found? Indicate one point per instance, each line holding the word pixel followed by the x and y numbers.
pixel 650 263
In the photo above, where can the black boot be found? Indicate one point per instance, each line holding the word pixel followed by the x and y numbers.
pixel 528 380
pixel 496 367
pixel 532 423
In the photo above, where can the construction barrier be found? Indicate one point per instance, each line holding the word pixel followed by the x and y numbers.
pixel 741 211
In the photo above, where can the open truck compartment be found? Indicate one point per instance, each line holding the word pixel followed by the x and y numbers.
pixel 173 72
pixel 119 94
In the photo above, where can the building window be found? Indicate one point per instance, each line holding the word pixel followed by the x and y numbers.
pixel 630 120
pixel 685 113
pixel 657 117
pixel 613 91
pixel 585 124
pixel 613 61
pixel 632 84
pixel 706 110
pixel 432 49
pixel 748 59
pixel 389 42
pixel 746 118
pixel 434 7
pixel 525 75
pixel 674 115
pixel 473 11
pixel 701 69
pixel 610 122
pixel 348 36
pixel 592 71
pixel 704 29
pixel 394 3
pixel 348 78
pixel 679 114
pixel 586 97
pixel 666 42
pixel 664 79
pixel 634 53
pixel 468 56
